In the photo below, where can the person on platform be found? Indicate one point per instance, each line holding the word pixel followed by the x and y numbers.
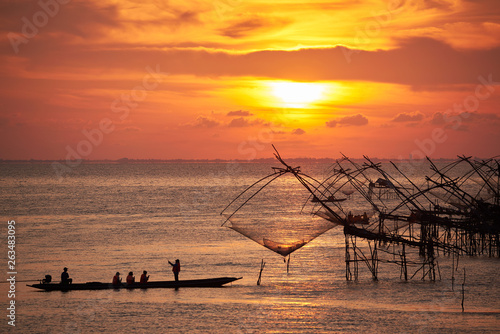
pixel 144 277
pixel 130 278
pixel 116 279
pixel 65 277
pixel 176 267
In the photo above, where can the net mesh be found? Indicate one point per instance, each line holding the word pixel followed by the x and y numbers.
pixel 277 213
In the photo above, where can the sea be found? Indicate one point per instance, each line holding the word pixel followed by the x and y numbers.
pixel 100 218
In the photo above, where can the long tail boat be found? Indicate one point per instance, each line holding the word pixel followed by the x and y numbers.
pixel 195 283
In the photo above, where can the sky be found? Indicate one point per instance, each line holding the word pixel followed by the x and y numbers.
pixel 227 79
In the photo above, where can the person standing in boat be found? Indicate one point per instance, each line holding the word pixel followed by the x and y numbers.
pixel 130 278
pixel 65 277
pixel 116 279
pixel 176 267
pixel 144 277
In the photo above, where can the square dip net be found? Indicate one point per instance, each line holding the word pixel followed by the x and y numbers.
pixel 279 212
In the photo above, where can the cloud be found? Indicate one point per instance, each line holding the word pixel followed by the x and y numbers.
pixel 239 113
pixel 250 24
pixel 166 15
pixel 298 131
pixel 204 122
pixel 438 119
pixel 482 117
pixel 355 120
pixel 278 132
pixel 432 4
pixel 464 35
pixel 419 62
pixel 462 121
pixel 408 117
pixel 82 19
pixel 468 24
pixel 239 123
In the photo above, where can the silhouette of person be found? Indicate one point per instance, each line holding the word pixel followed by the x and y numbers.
pixel 65 277
pixel 130 278
pixel 116 279
pixel 176 267
pixel 144 277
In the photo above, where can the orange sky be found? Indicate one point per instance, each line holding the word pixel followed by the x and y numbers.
pixel 228 78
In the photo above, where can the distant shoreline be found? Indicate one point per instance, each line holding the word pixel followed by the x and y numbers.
pixel 261 160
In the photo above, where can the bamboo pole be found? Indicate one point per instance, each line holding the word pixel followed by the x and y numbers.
pixel 463 292
pixel 262 265
pixel 452 271
pixel 404 263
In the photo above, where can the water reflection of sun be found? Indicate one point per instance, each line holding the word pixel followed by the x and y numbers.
pixel 297 94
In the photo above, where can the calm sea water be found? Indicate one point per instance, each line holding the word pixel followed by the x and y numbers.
pixel 104 218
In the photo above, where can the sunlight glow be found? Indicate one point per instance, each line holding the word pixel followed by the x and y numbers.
pixel 297 94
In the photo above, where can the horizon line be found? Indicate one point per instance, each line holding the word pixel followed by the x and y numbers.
pixel 216 160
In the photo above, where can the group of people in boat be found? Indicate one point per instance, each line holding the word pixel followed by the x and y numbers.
pixel 130 278
pixel 176 268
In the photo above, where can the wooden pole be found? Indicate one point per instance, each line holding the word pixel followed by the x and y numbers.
pixel 453 271
pixel 348 274
pixel 463 292
pixel 262 265
pixel 404 263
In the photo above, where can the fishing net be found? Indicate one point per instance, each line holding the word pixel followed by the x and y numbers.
pixel 276 212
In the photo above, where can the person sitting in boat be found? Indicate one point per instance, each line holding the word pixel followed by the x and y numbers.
pixel 144 277
pixel 116 279
pixel 130 278
pixel 65 277
pixel 176 267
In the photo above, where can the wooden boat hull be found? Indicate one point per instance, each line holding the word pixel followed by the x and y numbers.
pixel 196 283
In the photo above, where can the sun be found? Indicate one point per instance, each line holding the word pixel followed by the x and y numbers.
pixel 297 94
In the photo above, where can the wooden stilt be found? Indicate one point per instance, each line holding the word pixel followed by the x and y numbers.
pixel 262 265
pixel 463 292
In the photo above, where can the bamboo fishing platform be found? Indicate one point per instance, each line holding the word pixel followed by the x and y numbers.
pixel 403 215
pixel 456 212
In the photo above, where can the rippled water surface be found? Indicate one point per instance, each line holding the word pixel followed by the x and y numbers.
pixel 104 218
